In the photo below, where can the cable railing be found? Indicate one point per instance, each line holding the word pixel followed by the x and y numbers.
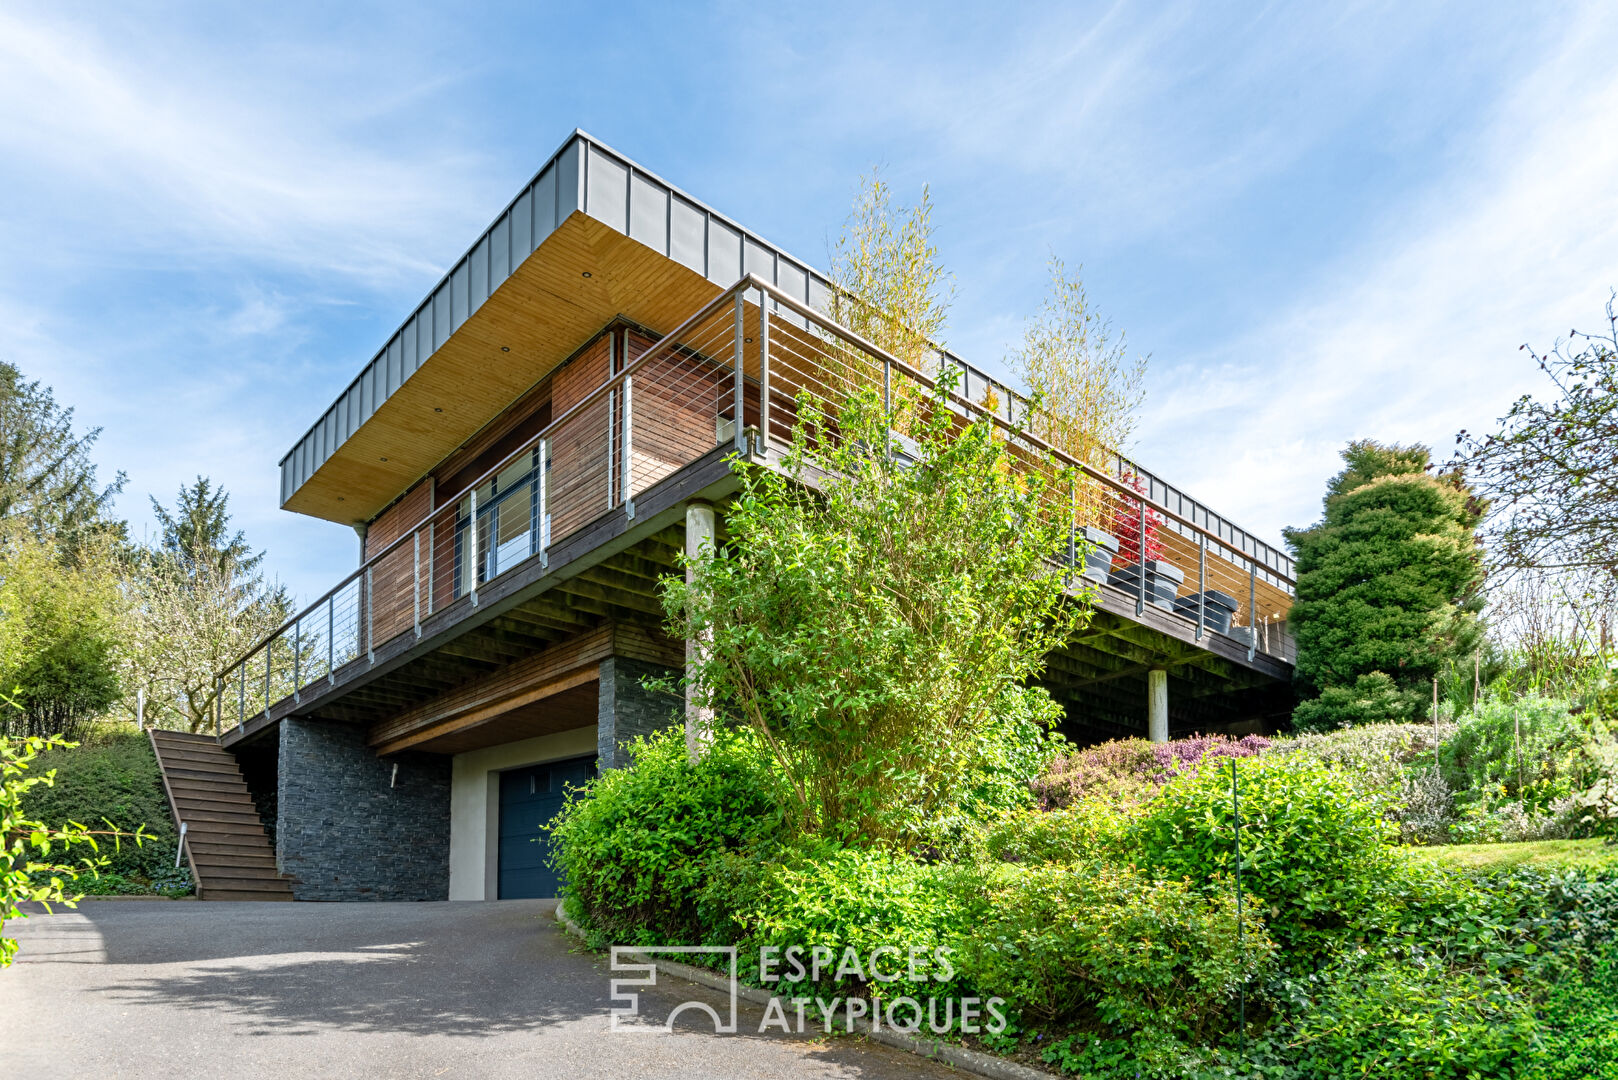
pixel 732 375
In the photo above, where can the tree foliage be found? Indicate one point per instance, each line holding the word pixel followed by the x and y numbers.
pixel 197 602
pixel 889 284
pixel 1550 469
pixel 866 617
pixel 1083 382
pixel 1388 583
pixel 48 484
pixel 33 854
pixel 59 637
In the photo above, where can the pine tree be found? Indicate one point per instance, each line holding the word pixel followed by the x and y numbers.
pixel 1388 587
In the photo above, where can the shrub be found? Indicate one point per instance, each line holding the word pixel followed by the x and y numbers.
pixel 1393 1018
pixel 1392 762
pixel 1313 848
pixel 114 779
pixel 1579 1036
pixel 1371 699
pixel 635 843
pixel 1530 750
pixel 842 898
pixel 1084 831
pixel 1106 942
pixel 1128 771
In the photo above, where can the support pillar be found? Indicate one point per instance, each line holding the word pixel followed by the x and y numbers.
pixel 699 541
pixel 1157 705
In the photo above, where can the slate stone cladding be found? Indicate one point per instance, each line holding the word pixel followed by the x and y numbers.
pixel 627 709
pixel 344 833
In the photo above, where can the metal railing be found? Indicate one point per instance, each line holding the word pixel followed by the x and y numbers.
pixel 731 374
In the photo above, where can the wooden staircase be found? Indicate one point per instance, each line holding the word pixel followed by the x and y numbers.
pixel 230 852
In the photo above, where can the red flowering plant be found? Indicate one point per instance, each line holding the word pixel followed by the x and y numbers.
pixel 1126 522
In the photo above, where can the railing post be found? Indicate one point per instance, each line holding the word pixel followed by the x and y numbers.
pixel 218 703
pixel 370 624
pixel 542 538
pixel 297 661
pixel 763 371
pixel 1252 606
pixel 473 561
pixel 628 453
pixel 432 542
pixel 1140 541
pixel 269 655
pixel 331 639
pixel 740 392
pixel 241 697
pixel 1072 527
pixel 612 473
pixel 1202 582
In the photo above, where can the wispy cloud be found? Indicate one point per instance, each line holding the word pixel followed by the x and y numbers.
pixel 174 158
pixel 1414 334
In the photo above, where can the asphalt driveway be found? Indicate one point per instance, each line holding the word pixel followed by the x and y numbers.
pixel 168 990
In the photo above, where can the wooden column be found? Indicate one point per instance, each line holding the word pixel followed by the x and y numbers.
pixel 699 541
pixel 1157 705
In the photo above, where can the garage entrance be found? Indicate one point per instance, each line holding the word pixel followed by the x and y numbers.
pixel 529 798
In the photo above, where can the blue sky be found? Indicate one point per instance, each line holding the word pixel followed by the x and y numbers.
pixel 1322 224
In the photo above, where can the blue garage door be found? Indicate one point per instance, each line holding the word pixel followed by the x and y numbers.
pixel 529 798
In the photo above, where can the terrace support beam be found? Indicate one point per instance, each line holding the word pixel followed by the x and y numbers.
pixel 699 541
pixel 1157 705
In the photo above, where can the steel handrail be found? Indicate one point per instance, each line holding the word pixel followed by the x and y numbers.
pixel 747 283
pixel 791 303
pixel 706 311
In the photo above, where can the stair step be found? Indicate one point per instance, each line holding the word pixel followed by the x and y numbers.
pixel 254 854
pixel 245 823
pixel 213 873
pixel 183 737
pixel 245 884
pixel 234 894
pixel 218 861
pixel 201 769
pixel 204 799
pixel 204 789
pixel 218 758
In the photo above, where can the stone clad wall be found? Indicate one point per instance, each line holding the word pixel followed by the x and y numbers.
pixel 343 832
pixel 626 709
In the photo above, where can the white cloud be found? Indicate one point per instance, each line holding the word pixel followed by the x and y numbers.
pixel 136 155
pixel 1415 335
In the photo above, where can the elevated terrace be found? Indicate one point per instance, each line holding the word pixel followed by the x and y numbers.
pixel 520 454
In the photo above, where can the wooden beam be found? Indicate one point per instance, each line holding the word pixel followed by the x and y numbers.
pixel 482 714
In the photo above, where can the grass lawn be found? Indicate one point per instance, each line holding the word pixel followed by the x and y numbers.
pixel 1559 854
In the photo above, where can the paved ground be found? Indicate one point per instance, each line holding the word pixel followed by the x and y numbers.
pixel 170 990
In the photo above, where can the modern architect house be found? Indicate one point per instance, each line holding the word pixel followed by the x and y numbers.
pixel 524 459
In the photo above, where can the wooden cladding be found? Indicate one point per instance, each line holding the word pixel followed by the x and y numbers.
pixel 392 585
pixel 522 683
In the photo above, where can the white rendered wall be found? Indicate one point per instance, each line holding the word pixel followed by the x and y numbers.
pixel 474 804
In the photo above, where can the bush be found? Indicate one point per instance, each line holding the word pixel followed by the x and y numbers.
pixel 1105 942
pixel 1400 1018
pixel 1371 699
pixel 1530 750
pixel 1314 849
pixel 848 898
pixel 1395 763
pixel 635 843
pixel 1125 772
pixel 1579 1036
pixel 1084 831
pixel 113 779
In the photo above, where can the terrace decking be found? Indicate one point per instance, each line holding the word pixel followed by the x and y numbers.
pixel 564 515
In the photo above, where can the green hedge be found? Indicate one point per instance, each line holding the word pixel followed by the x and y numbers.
pixel 114 778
